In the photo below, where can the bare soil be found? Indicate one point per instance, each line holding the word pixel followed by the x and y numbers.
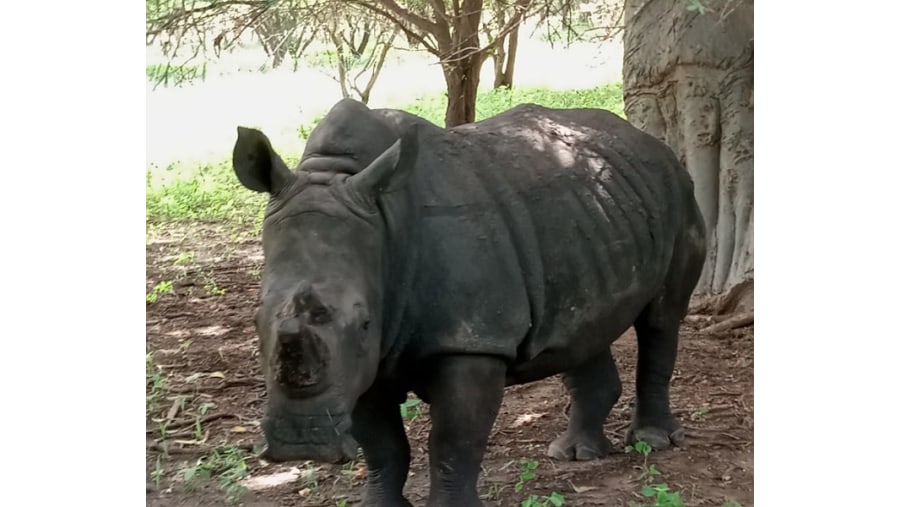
pixel 208 394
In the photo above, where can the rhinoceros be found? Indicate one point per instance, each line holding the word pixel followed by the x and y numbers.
pixel 403 257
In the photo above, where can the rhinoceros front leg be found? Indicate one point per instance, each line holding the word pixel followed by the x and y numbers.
pixel 594 388
pixel 465 393
pixel 378 428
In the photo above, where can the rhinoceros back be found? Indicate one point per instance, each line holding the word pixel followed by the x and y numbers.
pixel 539 231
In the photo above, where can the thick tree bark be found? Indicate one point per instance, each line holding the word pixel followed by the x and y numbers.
pixel 688 80
pixel 462 90
pixel 504 55
pixel 505 60
pixel 462 64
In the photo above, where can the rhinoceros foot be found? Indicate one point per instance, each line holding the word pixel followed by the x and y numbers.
pixel 658 437
pixel 579 447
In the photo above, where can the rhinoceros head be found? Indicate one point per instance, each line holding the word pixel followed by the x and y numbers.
pixel 320 315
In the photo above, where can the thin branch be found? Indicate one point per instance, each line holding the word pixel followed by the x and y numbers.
pixel 422 23
pixel 468 52
pixel 431 48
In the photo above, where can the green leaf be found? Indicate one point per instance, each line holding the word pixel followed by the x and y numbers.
pixel 557 499
pixel 696 6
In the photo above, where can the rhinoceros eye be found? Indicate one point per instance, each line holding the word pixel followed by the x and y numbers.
pixel 319 315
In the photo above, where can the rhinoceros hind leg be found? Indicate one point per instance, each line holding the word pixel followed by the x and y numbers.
pixel 594 388
pixel 657 330
pixel 657 337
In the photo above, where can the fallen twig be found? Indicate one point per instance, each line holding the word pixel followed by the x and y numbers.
pixel 705 410
pixel 199 449
pixel 176 426
pixel 735 322
pixel 252 382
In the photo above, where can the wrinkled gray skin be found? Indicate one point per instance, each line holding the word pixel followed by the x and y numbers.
pixel 400 256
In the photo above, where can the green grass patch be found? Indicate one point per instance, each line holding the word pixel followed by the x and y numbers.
pixel 490 103
pixel 166 74
pixel 211 192
pixel 202 192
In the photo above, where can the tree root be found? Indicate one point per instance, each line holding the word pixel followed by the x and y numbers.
pixel 737 321
pixel 737 298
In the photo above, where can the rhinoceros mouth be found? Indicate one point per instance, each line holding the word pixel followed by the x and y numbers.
pixel 340 452
pixel 324 438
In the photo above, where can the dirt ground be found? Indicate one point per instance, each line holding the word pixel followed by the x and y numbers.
pixel 206 396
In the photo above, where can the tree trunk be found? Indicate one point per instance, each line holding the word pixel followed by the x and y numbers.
pixel 461 63
pixel 462 90
pixel 688 80
pixel 504 54
pixel 505 59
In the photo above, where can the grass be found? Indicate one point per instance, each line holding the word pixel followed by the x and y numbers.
pixel 493 102
pixel 165 74
pixel 206 192
pixel 210 192
pixel 227 464
pixel 163 287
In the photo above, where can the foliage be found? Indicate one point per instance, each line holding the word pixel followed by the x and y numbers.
pixel 175 74
pixel 163 287
pixel 461 34
pixel 567 21
pixel 209 191
pixel 660 493
pixel 527 473
pixel 493 102
pixel 228 464
pixel 406 409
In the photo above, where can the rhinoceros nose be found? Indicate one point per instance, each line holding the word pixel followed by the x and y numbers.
pixel 305 297
pixel 288 328
pixel 302 358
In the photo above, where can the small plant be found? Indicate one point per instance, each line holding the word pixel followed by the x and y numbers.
pixel 698 414
pixel 555 499
pixel 184 258
pixel 342 503
pixel 156 384
pixel 732 503
pixel 526 473
pixel 406 409
pixel 659 492
pixel 647 472
pixel 157 472
pixel 696 6
pixel 213 289
pixel 198 430
pixel 662 496
pixel 227 464
pixel 164 287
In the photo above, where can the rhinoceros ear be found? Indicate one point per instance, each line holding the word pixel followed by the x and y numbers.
pixel 256 164
pixel 389 171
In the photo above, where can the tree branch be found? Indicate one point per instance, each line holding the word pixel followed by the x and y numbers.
pixel 513 22
pixel 394 19
pixel 416 20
